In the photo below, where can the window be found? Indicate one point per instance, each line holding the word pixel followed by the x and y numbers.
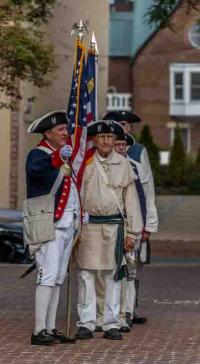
pixel 185 133
pixel 194 35
pixel 185 89
pixel 195 86
pixel 178 86
pixel 120 37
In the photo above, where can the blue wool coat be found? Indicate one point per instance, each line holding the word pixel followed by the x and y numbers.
pixel 41 175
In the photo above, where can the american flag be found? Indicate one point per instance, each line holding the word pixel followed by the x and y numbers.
pixel 79 113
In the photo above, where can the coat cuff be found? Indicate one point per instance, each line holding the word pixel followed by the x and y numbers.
pixel 56 159
pixel 151 229
pixel 132 235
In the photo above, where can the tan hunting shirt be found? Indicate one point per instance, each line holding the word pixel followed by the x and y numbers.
pixel 97 247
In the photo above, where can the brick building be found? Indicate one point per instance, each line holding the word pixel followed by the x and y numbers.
pixel 161 75
pixel 14 140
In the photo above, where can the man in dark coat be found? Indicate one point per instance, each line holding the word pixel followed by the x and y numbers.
pixel 48 175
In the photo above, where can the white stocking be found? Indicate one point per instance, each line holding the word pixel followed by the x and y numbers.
pixel 52 310
pixel 42 301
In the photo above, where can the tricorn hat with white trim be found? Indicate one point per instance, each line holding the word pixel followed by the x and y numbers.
pixel 48 121
pixel 101 127
pixel 121 134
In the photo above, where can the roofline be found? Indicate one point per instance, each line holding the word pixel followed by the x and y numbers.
pixel 154 33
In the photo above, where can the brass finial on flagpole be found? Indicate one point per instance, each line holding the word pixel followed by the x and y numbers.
pixel 79 29
pixel 94 44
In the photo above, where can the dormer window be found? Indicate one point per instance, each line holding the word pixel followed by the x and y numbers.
pixel 194 35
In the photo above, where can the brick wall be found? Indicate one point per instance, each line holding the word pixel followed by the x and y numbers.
pixel 120 74
pixel 151 76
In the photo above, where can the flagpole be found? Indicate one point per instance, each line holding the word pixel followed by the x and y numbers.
pixel 95 49
pixel 78 30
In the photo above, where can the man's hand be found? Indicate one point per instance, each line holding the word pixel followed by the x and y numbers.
pixel 128 244
pixel 145 236
pixel 66 151
pixel 85 218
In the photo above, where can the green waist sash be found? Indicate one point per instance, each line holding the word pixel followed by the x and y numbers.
pixel 121 270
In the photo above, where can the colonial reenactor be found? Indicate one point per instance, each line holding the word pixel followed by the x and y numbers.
pixel 138 156
pixel 129 284
pixel 51 216
pixel 109 196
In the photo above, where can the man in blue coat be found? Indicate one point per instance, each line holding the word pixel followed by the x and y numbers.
pixel 48 170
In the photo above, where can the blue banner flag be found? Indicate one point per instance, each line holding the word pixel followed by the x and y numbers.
pixel 91 81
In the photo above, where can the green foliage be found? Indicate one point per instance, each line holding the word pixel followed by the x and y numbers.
pixel 177 165
pixel 160 10
pixel 24 55
pixel 153 151
pixel 182 176
pixel 194 176
pixel 197 161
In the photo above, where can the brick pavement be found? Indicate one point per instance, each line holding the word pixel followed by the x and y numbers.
pixel 170 299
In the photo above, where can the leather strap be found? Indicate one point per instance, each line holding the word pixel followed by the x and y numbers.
pixel 103 174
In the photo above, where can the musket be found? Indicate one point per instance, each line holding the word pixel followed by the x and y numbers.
pixel 137 285
pixel 29 270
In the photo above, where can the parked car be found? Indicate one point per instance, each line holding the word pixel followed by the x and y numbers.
pixel 12 248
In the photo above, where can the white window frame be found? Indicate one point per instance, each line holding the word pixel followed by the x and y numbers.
pixel 190 89
pixel 173 87
pixel 187 69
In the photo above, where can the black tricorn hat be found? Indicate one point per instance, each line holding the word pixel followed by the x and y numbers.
pixel 101 127
pixel 121 115
pixel 48 121
pixel 127 137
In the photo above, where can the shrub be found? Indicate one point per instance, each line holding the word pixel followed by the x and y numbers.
pixel 153 151
pixel 177 164
pixel 194 176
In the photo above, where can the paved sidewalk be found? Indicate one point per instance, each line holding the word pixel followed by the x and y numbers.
pixel 171 300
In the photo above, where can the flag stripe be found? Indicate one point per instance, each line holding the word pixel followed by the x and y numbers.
pixel 79 113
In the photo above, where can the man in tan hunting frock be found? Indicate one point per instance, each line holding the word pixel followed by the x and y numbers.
pixel 109 197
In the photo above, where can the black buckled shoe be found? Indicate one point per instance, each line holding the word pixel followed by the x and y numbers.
pixel 84 333
pixel 113 334
pixel 98 329
pixel 63 339
pixel 124 329
pixel 139 320
pixel 42 338
pixel 129 319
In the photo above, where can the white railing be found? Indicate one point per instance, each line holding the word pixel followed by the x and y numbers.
pixel 119 101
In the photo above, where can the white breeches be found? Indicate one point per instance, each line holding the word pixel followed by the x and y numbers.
pixel 53 256
pixel 128 297
pixel 87 300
